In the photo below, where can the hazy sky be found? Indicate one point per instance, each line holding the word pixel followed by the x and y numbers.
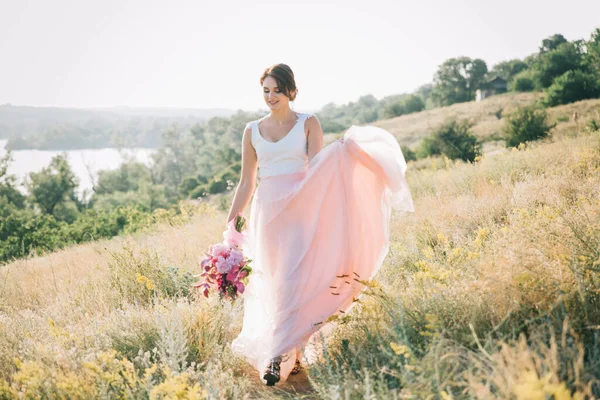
pixel 211 53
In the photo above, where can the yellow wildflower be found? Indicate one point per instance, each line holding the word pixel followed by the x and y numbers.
pixel 145 281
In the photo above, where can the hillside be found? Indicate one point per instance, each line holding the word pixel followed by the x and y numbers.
pixel 409 129
pixel 61 128
pixel 487 117
pixel 490 290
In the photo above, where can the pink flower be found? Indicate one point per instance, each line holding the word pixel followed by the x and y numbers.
pixel 236 256
pixel 232 237
pixel 219 250
pixel 240 287
pixel 223 265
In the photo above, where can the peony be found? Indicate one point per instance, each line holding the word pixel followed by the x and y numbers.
pixel 219 250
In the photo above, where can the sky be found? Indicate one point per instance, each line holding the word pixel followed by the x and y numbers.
pixel 210 54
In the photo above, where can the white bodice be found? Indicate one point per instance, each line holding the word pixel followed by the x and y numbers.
pixel 286 156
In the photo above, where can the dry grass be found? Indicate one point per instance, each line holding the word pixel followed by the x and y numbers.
pixel 490 290
pixel 410 129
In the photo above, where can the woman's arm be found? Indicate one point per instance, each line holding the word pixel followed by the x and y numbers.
pixel 247 183
pixel 315 136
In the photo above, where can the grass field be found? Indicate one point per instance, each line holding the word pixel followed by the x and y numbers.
pixel 491 290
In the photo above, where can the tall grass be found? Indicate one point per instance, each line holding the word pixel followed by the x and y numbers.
pixel 490 290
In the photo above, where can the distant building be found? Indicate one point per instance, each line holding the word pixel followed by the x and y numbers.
pixel 491 87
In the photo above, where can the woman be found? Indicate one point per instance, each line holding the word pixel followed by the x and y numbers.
pixel 318 226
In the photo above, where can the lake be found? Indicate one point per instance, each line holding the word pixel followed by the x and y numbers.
pixel 26 161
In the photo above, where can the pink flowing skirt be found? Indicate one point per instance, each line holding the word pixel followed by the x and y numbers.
pixel 312 236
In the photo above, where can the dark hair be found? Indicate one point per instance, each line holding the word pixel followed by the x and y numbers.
pixel 284 76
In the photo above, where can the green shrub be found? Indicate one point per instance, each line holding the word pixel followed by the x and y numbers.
pixel 187 185
pixel 572 86
pixel 407 105
pixel 200 191
pixel 413 103
pixel 228 175
pixel 24 232
pixel 409 155
pixel 526 124
pixel 394 110
pixel 236 167
pixel 454 140
pixel 523 82
pixel 217 186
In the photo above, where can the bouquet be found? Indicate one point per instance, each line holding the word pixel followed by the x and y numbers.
pixel 224 266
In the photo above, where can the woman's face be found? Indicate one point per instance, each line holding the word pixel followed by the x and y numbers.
pixel 274 97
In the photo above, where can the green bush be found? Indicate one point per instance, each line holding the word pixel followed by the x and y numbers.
pixel 200 191
pixel 572 86
pixel 526 124
pixel 187 185
pixel 409 155
pixel 24 232
pixel 236 166
pixel 551 64
pixel 413 104
pixel 394 110
pixel 524 81
pixel 94 224
pixel 407 105
pixel 228 175
pixel 454 140
pixel 217 186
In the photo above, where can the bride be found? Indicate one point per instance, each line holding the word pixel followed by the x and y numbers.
pixel 318 226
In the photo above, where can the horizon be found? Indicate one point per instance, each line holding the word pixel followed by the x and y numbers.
pixel 142 55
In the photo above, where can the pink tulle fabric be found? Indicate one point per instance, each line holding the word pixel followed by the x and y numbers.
pixel 312 236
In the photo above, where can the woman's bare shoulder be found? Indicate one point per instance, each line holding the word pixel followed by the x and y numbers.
pixel 312 121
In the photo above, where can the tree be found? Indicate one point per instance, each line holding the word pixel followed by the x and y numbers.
pixel 53 185
pixel 552 43
pixel 453 139
pixel 524 81
pixel 424 92
pixel 368 101
pixel 508 69
pixel 553 63
pixel 526 124
pixel 127 177
pixel 392 110
pixel 457 79
pixel 180 155
pixel 8 182
pixel 572 86
pixel 592 56
pixel 413 104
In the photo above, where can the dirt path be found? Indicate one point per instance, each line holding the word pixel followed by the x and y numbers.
pixel 295 387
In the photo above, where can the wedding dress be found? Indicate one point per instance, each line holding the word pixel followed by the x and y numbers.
pixel 316 229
